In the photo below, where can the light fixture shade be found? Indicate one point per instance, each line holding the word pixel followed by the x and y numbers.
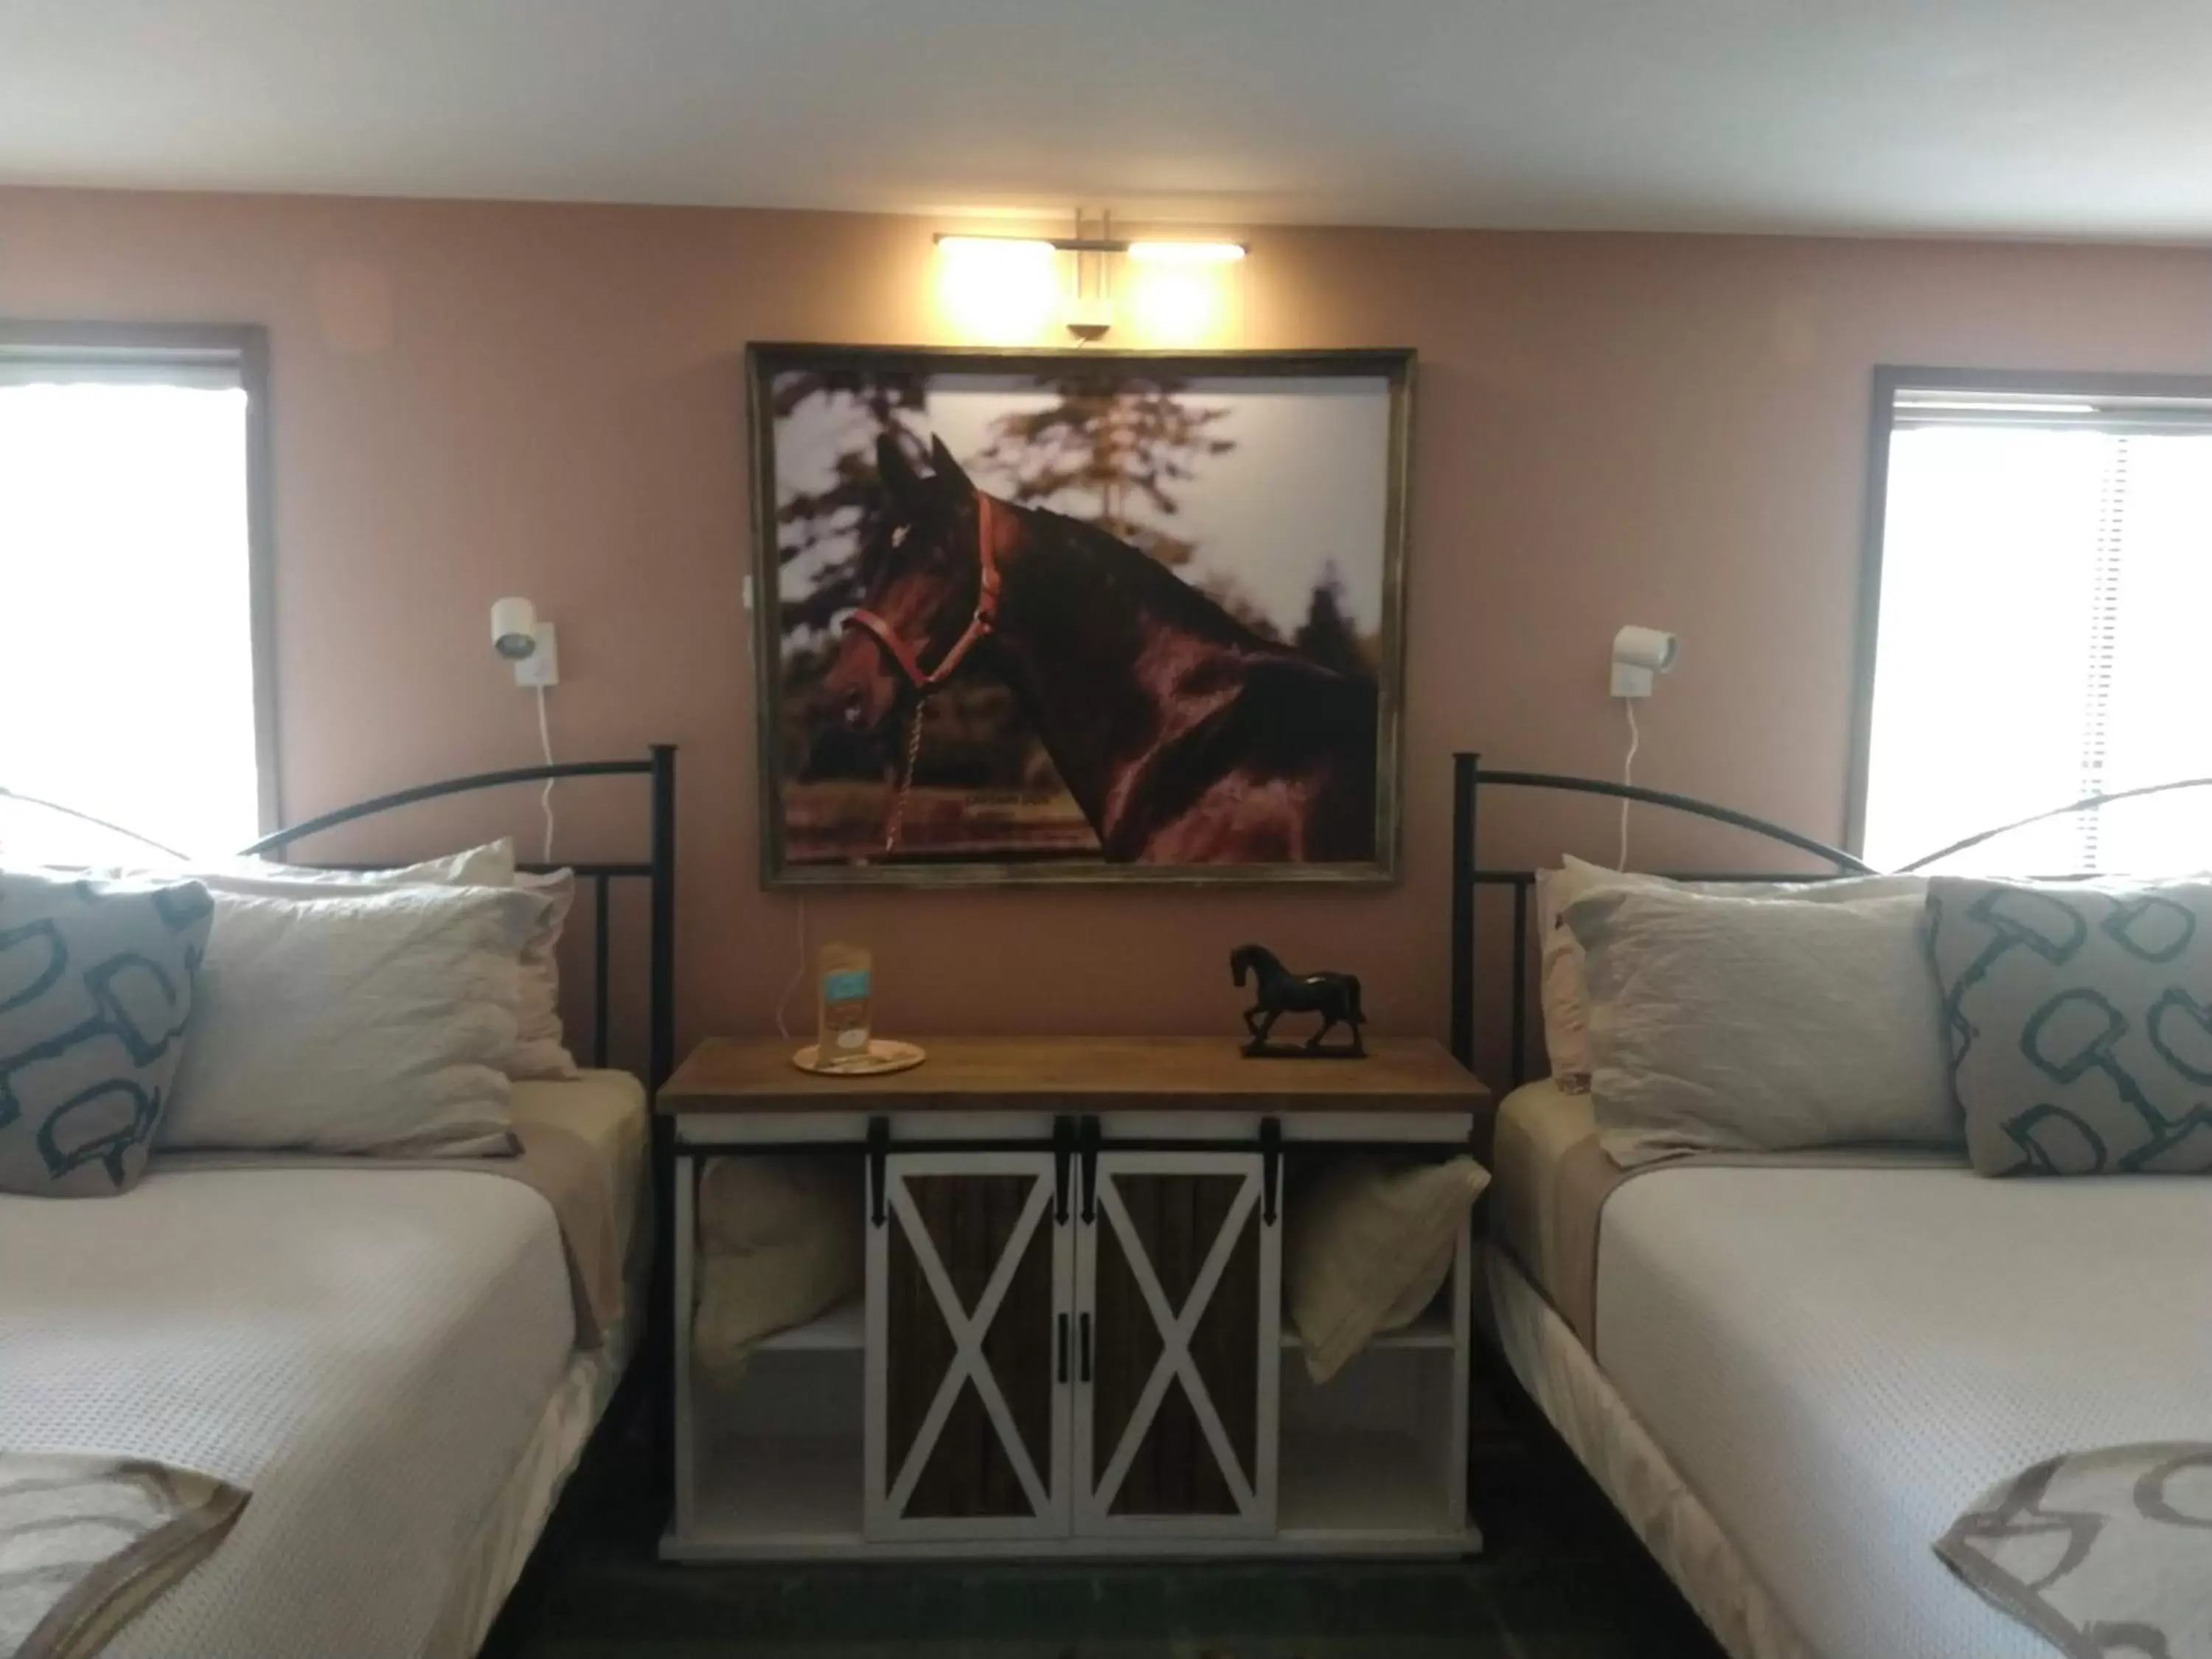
pixel 1640 655
pixel 1187 253
pixel 1011 290
pixel 998 290
pixel 1014 247
pixel 1646 648
pixel 513 629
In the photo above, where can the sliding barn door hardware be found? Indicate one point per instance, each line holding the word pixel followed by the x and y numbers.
pixel 1063 1153
pixel 1271 1166
pixel 879 1149
pixel 1088 1138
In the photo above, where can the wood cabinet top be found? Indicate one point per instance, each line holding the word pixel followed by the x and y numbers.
pixel 1078 1074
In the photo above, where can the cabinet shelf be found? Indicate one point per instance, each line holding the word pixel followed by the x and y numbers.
pixel 843 1328
pixel 797 1491
pixel 1433 1329
pixel 1368 1486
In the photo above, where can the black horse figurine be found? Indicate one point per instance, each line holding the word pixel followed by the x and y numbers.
pixel 1334 997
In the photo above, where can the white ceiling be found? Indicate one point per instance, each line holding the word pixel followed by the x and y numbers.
pixel 2087 118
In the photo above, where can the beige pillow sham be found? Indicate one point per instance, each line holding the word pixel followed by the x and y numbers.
pixel 540 1046
pixel 782 1240
pixel 1560 993
pixel 1366 1248
pixel 540 1052
pixel 1724 1024
pixel 355 1021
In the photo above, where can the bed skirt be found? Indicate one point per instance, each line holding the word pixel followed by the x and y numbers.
pixel 1628 1465
pixel 494 1558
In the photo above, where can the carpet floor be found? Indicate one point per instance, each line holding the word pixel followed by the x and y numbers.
pixel 1560 1578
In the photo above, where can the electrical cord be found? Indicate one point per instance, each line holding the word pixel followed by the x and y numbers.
pixel 798 969
pixel 798 973
pixel 545 796
pixel 1628 776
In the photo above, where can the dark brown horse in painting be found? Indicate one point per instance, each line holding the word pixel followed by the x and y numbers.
pixel 1185 736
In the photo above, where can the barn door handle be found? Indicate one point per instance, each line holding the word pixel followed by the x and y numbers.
pixel 1087 1142
pixel 1062 1367
pixel 1083 1343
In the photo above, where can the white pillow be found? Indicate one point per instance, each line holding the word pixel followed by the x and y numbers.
pixel 1746 1025
pixel 359 1022
pixel 539 1050
pixel 489 866
pixel 1559 956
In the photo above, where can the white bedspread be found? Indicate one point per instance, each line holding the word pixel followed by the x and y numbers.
pixel 1839 1361
pixel 366 1351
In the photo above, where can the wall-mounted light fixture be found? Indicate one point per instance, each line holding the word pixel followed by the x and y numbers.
pixel 1185 253
pixel 1010 290
pixel 521 638
pixel 1640 655
pixel 527 642
pixel 999 290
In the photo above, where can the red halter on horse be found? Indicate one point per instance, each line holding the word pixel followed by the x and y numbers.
pixel 909 659
pixel 979 626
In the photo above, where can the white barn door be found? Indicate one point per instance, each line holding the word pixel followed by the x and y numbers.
pixel 1178 1307
pixel 970 1277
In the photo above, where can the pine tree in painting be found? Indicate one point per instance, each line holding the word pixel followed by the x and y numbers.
pixel 1118 448
pixel 1327 635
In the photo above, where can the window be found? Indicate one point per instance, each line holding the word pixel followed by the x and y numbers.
pixel 2040 592
pixel 135 671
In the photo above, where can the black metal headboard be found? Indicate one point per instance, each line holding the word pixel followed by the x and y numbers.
pixel 657 870
pixel 1469 877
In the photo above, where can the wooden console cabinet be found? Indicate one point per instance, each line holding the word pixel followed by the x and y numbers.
pixel 1071 1341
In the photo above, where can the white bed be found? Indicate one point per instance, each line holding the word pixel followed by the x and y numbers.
pixel 1801 1376
pixel 385 1358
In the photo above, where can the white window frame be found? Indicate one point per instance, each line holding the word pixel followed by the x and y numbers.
pixel 1889 380
pixel 157 352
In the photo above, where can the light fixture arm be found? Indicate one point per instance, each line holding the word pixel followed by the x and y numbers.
pixel 1142 247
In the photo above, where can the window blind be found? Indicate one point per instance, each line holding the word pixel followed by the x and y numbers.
pixel 211 371
pixel 125 583
pixel 2046 580
pixel 1919 408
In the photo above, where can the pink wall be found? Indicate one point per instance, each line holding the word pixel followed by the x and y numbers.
pixel 478 400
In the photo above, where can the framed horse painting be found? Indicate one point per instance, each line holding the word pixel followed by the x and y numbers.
pixel 1082 616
